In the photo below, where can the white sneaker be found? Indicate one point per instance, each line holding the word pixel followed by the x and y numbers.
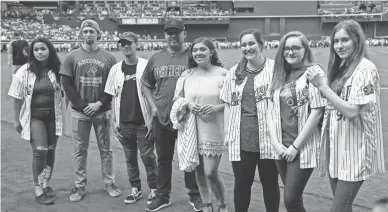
pixel 151 196
pixel 113 190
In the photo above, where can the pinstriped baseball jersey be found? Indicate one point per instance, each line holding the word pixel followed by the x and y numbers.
pixel 22 87
pixel 308 96
pixel 353 149
pixel 231 93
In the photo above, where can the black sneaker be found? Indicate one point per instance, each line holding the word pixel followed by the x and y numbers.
pixel 44 200
pixel 49 192
pixel 196 203
pixel 158 204
pixel 134 196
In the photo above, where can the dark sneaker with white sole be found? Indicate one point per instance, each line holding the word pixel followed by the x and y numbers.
pixel 134 196
pixel 157 204
pixel 44 200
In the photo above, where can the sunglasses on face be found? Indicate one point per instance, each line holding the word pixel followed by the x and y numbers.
pixel 293 49
pixel 125 43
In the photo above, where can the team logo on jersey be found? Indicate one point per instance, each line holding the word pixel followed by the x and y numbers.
pixel 235 98
pixel 345 96
pixel 304 96
pixel 368 90
pixel 260 93
pixel 91 70
pixel 130 77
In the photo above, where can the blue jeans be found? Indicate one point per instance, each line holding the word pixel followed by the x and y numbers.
pixel 134 138
pixel 295 180
pixel 43 142
pixel 344 194
pixel 81 134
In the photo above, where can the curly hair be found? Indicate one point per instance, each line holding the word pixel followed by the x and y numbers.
pixel 54 63
pixel 214 60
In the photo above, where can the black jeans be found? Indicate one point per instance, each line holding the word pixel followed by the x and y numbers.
pixel 344 194
pixel 134 138
pixel 43 142
pixel 165 144
pixel 244 174
pixel 294 179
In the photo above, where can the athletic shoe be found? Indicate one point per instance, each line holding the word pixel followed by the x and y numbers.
pixel 134 196
pixel 157 204
pixel 112 190
pixel 49 192
pixel 77 194
pixel 151 196
pixel 196 203
pixel 44 200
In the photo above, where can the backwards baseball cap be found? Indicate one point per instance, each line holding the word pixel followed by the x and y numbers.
pixel 92 24
pixel 174 23
pixel 129 36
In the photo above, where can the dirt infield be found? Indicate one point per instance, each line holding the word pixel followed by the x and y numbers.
pixel 17 187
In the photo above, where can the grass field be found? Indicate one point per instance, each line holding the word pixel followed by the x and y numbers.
pixel 317 188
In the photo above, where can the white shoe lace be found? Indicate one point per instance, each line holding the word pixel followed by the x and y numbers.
pixel 135 192
pixel 152 194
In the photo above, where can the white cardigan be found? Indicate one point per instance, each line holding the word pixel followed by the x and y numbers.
pixel 114 86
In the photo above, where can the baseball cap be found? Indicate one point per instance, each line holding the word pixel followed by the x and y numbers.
pixel 129 36
pixel 174 23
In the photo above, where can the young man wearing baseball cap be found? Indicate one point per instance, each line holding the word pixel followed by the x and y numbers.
pixel 130 113
pixel 159 81
pixel 84 73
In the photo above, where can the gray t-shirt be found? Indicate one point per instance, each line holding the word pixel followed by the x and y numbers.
pixel 89 70
pixel 249 129
pixel 161 75
pixel 289 107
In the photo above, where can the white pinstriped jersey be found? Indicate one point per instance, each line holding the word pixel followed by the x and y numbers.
pixel 353 149
pixel 308 96
pixel 114 86
pixel 231 93
pixel 22 88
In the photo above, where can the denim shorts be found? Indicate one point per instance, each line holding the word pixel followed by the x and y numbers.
pixel 44 114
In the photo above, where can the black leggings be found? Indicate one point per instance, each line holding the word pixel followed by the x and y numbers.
pixel 43 143
pixel 244 174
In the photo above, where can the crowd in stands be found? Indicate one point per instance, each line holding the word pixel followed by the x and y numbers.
pixel 341 7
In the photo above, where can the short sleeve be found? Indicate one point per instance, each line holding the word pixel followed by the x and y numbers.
pixel 67 66
pixel 315 96
pixel 365 85
pixel 226 90
pixel 109 86
pixel 148 78
pixel 179 89
pixel 17 88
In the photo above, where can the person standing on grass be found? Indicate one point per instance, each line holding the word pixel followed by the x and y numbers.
pixel 84 74
pixel 130 113
pixel 199 88
pixel 158 85
pixel 294 112
pixel 244 93
pixel 38 112
pixel 17 53
pixel 352 138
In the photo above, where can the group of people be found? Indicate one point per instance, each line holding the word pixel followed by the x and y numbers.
pixel 283 116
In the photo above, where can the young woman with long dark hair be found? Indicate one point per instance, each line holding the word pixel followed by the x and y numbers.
pixel 200 87
pixel 38 112
pixel 352 146
pixel 244 93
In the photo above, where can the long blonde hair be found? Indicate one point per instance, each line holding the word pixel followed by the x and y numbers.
pixel 282 67
pixel 356 34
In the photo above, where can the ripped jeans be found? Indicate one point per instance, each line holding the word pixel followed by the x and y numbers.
pixel 43 142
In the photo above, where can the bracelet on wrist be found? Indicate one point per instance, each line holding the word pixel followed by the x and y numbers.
pixel 295 147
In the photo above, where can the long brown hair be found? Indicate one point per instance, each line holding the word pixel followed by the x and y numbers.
pixel 356 34
pixel 282 67
pixel 240 70
pixel 214 60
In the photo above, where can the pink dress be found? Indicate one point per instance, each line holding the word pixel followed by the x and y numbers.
pixel 205 90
